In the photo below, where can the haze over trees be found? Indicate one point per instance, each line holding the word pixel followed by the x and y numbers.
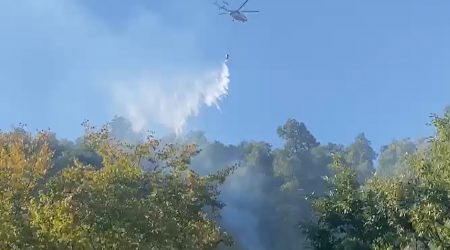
pixel 115 189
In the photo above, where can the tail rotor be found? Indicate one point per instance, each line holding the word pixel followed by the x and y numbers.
pixel 224 4
pixel 221 7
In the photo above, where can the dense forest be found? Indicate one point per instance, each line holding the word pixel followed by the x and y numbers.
pixel 116 189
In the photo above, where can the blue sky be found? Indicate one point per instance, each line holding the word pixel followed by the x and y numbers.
pixel 342 67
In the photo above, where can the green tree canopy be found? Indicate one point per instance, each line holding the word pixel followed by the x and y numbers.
pixel 388 213
pixel 117 206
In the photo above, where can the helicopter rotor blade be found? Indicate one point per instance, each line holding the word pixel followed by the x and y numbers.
pixel 223 13
pixel 249 11
pixel 242 5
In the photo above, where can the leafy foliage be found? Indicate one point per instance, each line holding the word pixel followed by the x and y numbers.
pixel 117 206
pixel 389 213
pixel 394 158
pixel 115 189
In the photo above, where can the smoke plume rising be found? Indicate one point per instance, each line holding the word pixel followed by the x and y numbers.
pixel 72 53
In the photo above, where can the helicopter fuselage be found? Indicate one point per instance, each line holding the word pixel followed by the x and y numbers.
pixel 236 15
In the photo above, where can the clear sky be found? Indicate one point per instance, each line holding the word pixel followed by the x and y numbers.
pixel 342 67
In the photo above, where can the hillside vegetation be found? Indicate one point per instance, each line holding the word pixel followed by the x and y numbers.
pixel 115 189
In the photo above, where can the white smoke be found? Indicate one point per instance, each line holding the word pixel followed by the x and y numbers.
pixel 149 101
pixel 72 51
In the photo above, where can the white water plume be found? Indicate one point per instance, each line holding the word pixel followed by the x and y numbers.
pixel 149 101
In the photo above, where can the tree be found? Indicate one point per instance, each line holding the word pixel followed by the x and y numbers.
pixel 360 155
pixel 294 162
pixel 117 206
pixel 122 130
pixel 298 140
pixel 259 155
pixel 447 109
pixel 393 159
pixel 351 216
pixel 431 211
pixel 105 191
pixel 392 213
pixel 24 162
pixel 301 172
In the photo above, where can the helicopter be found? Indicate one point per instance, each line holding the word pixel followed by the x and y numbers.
pixel 235 14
